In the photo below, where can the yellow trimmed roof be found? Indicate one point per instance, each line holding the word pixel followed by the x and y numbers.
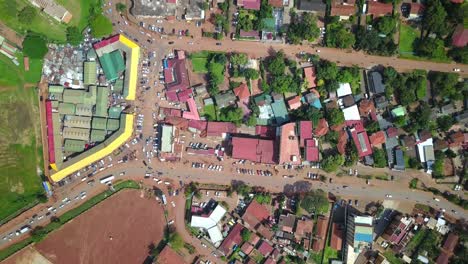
pixel 120 140
pixel 133 71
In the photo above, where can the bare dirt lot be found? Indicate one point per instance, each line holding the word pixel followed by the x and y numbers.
pixel 26 256
pixel 119 230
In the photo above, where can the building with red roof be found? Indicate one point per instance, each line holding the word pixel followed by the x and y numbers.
pixel 249 4
pixel 342 141
pixel 184 95
pixel 309 75
pixel 265 131
pixel 255 214
pixel 379 9
pixel 197 125
pixel 367 109
pixel 336 240
pixel 278 3
pixel 220 129
pixel 392 132
pixel 305 132
pixel 192 112
pixel 322 128
pixel 269 261
pixel 294 103
pixel 377 139
pixel 447 249
pixel 416 10
pixel 312 150
pixel 176 78
pixel 247 248
pixel 342 9
pixel 304 228
pixel 460 36
pixel 360 138
pixel 254 149
pixel 289 152
pixel 234 238
pixel 169 256
pixel 265 248
pixel 242 92
pixel 321 234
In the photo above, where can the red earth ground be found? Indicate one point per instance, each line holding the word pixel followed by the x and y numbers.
pixel 119 230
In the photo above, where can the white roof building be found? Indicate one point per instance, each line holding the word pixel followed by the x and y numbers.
pixel 428 145
pixel 345 89
pixel 351 113
pixel 210 224
pixel 167 139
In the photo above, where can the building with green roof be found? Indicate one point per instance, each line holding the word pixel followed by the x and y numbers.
pixel 73 96
pixel 98 135
pixel 74 146
pixel 56 96
pixel 56 89
pixel 112 124
pixel 102 101
pixel 114 112
pixel 112 64
pixel 76 133
pixel 399 111
pixel 66 109
pixel 118 86
pixel 89 72
pixel 77 121
pixel 90 96
pixel 99 123
pixel 268 24
pixel 280 111
pixel 84 110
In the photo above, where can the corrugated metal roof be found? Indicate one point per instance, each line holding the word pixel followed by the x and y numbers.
pixel 56 89
pixel 112 63
pixel 102 101
pixel 97 135
pixel 89 72
pixel 114 112
pixel 112 124
pixel 72 145
pixel 77 121
pixel 99 123
pixel 66 109
pixel 167 140
pixel 76 133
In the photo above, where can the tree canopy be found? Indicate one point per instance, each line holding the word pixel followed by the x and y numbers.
pixel 276 64
pixel 315 202
pixel 459 54
pixel 246 234
pixel 74 36
pixel 335 116
pixel 27 14
pixel 231 114
pixel 434 18
pixel 338 36
pixel 121 7
pixel 238 59
pixel 34 46
pixel 380 160
pixel 332 162
pixel 444 123
pixel 101 26
pixel 445 84
pixel 303 27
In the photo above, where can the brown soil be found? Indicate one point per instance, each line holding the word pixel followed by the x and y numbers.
pixel 119 230
pixel 26 256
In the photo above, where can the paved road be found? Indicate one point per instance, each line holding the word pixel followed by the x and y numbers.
pixel 149 105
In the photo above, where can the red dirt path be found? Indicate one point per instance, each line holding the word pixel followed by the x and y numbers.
pixel 132 222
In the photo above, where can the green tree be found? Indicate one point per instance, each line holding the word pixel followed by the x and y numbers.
pixel 282 84
pixel 380 159
pixel 38 233
pixel 332 162
pixel 351 153
pixel 445 84
pixel 41 197
pixel 246 235
pixel 459 54
pixel 431 48
pixel 176 241
pixel 339 37
pixel 372 127
pixel 444 123
pixel 251 74
pixel 327 70
pixel 315 202
pixel 414 163
pixel 434 18
pixel 34 46
pixel 276 65
pixel 386 25
pixel 303 28
pixel 8 8
pixel 335 116
pixel 101 26
pixel 421 116
pixel 413 183
pixel 27 14
pixel 121 7
pixel 251 121
pixel 74 36
pixel 238 59
pixel 231 114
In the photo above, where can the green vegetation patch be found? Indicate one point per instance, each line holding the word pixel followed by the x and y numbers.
pixel 329 254
pixel 199 65
pixel 19 182
pixel 390 256
pixel 209 111
pixel 408 35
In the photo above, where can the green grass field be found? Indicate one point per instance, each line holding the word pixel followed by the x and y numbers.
pixel 199 65
pixel 408 35
pixel 19 153
pixel 48 26
pixel 329 254
pixel 209 111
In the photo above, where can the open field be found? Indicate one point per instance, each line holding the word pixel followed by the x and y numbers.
pixel 27 255
pixel 48 26
pixel 199 65
pixel 408 35
pixel 19 180
pixel 118 230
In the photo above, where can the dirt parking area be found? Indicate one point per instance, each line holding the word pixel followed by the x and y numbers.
pixel 119 230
